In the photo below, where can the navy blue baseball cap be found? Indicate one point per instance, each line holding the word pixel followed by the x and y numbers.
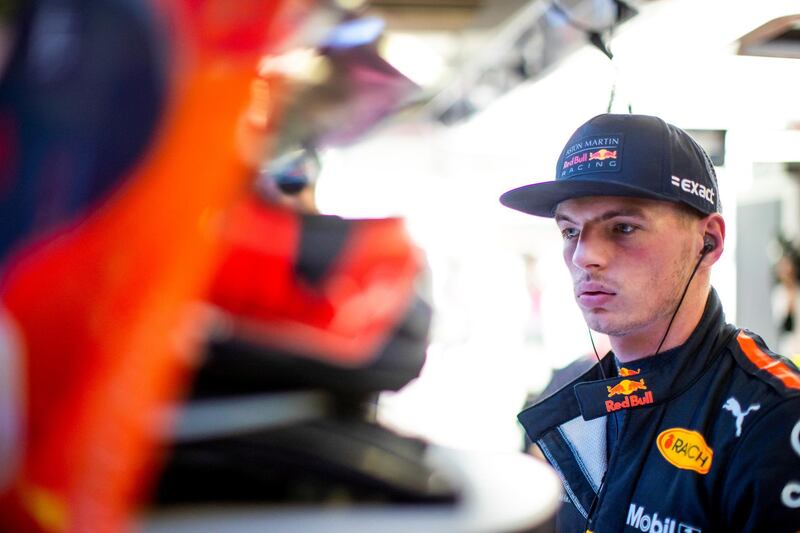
pixel 625 155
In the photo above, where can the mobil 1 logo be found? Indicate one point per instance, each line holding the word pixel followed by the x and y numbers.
pixel 639 519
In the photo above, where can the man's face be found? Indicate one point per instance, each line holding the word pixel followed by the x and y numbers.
pixel 630 259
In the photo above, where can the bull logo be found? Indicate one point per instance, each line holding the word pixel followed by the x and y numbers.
pixel 602 154
pixel 626 387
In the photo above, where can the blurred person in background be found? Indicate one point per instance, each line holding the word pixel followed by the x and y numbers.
pixel 689 424
pixel 784 302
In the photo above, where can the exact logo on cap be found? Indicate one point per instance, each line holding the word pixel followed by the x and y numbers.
pixel 692 187
pixel 600 153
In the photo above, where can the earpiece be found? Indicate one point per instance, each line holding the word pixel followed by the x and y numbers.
pixel 708 244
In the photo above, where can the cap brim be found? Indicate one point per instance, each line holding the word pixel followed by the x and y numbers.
pixel 541 199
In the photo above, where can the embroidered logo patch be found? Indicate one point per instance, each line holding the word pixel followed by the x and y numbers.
pixel 627 387
pixel 592 154
pixel 685 449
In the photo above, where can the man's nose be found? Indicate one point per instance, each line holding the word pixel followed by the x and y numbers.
pixel 590 252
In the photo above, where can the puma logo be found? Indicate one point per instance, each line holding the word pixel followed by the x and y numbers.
pixel 736 410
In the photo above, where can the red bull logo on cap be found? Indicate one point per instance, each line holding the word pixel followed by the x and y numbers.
pixel 592 154
pixel 576 160
pixel 603 154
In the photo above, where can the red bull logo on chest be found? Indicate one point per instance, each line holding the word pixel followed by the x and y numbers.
pixel 629 401
pixel 627 387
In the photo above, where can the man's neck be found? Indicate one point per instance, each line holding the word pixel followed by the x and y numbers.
pixel 641 344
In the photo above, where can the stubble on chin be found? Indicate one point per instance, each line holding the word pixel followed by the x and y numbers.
pixel 622 324
pixel 616 324
pixel 604 324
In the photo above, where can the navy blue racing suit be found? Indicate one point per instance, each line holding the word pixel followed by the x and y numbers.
pixel 702 438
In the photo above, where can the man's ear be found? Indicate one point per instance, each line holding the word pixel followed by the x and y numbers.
pixel 713 230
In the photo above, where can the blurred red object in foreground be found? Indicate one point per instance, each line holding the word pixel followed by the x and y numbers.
pixel 341 318
pixel 103 306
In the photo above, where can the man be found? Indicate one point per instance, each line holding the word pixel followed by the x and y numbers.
pixel 693 425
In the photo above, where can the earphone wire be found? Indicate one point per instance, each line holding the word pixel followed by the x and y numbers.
pixel 596 355
pixel 705 251
pixel 685 290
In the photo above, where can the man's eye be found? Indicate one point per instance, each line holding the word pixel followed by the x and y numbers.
pixel 569 233
pixel 625 229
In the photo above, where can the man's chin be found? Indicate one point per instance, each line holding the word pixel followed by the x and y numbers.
pixel 599 320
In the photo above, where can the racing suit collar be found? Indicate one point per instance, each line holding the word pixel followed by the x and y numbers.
pixel 655 379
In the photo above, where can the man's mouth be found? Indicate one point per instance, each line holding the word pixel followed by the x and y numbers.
pixel 593 288
pixel 593 294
